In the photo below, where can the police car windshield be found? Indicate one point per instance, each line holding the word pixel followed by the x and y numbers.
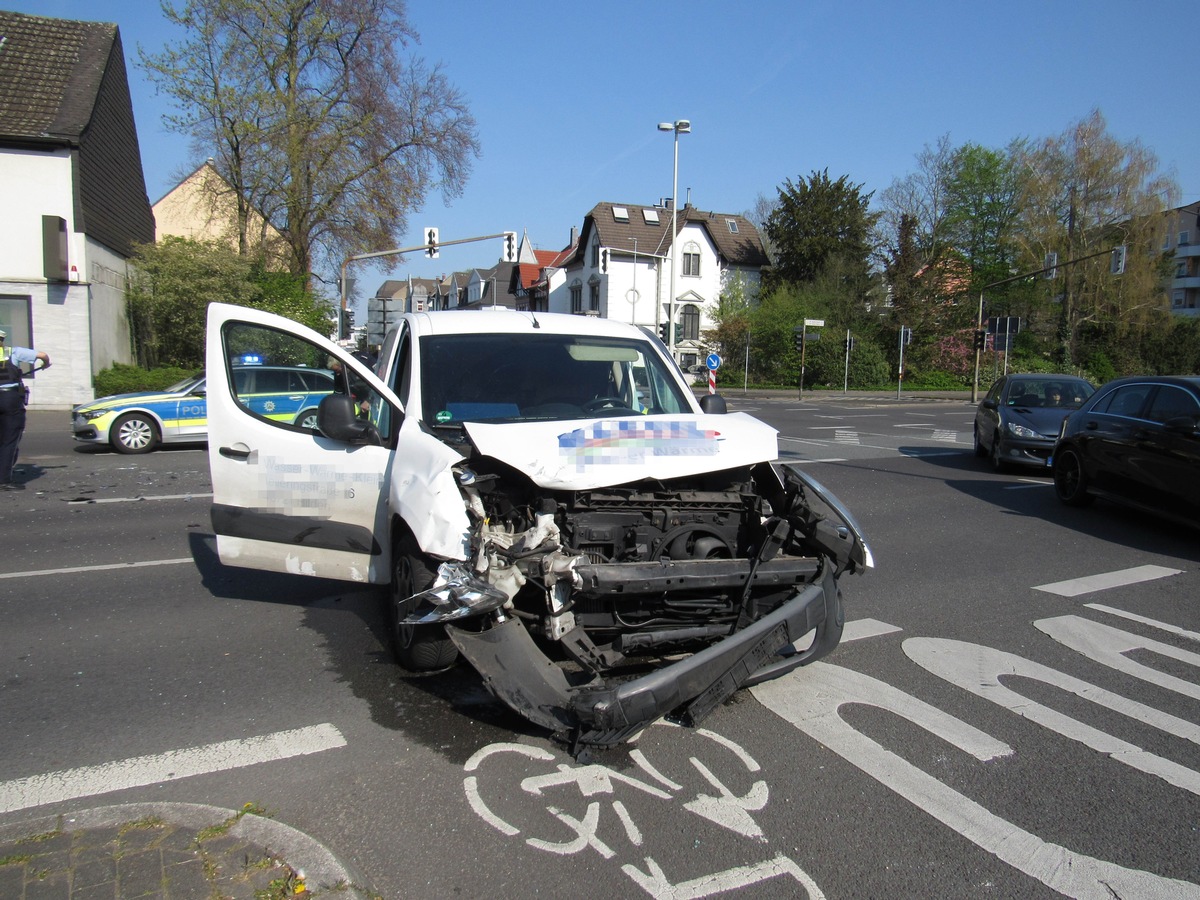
pixel 186 385
pixel 539 377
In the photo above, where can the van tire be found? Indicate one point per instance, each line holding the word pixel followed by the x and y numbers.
pixel 418 648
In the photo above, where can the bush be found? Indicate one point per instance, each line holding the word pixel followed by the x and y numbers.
pixel 123 379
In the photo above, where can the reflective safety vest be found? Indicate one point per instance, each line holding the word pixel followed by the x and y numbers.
pixel 10 372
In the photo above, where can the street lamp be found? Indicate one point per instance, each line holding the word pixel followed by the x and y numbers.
pixel 680 126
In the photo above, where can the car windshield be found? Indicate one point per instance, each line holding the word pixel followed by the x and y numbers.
pixel 1050 392
pixel 527 377
pixel 182 387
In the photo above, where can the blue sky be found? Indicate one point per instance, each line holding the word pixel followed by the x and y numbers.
pixel 567 97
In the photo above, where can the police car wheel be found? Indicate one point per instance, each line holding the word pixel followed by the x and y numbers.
pixel 307 419
pixel 418 648
pixel 134 433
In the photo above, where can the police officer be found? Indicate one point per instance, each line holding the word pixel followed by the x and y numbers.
pixel 12 406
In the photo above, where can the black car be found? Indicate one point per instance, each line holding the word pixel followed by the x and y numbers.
pixel 1019 419
pixel 1135 442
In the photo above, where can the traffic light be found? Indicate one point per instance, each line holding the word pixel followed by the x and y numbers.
pixel 848 344
pixel 343 326
pixel 431 243
pixel 799 339
pixel 1117 266
pixel 510 246
pixel 663 332
pixel 1050 266
pixel 980 340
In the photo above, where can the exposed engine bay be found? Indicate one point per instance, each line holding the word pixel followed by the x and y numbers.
pixel 611 579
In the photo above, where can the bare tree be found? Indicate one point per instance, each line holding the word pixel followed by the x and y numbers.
pixel 1083 193
pixel 918 201
pixel 321 120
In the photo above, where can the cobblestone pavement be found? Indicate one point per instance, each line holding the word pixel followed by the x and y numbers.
pixel 167 852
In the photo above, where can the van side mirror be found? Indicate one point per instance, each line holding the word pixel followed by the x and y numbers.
pixel 714 404
pixel 337 418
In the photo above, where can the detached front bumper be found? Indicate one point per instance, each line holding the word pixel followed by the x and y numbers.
pixel 605 714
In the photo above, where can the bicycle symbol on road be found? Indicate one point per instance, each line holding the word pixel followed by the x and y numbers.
pixel 568 808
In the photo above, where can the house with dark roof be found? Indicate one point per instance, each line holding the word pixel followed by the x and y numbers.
pixel 75 198
pixel 620 268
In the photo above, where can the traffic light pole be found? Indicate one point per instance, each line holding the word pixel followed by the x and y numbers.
pixel 1042 271
pixel 509 237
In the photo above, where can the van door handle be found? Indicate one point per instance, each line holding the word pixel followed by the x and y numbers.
pixel 234 454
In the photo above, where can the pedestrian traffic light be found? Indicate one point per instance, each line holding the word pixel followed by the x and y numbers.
pixel 849 343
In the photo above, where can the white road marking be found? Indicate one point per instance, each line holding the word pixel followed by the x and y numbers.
pixel 1026 483
pixel 75 570
pixel 1108 645
pixel 810 700
pixel 137 499
pixel 828 459
pixel 71 784
pixel 867 628
pixel 978 669
pixel 1154 623
pixel 1106 580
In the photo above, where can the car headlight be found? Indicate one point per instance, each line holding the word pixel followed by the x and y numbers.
pixel 1021 431
pixel 90 414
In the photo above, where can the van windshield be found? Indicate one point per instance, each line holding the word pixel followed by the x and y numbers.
pixel 534 377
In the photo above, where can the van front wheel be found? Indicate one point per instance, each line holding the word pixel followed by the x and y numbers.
pixel 418 648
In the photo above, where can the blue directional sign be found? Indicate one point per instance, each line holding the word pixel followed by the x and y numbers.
pixel 713 362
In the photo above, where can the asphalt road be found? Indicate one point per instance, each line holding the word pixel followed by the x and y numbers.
pixel 1015 710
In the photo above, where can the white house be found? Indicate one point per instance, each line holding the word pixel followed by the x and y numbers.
pixel 75 199
pixel 620 268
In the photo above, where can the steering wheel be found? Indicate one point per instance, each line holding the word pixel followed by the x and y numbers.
pixel 600 403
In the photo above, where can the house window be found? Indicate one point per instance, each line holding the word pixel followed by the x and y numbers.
pixel 651 216
pixel 594 294
pixel 620 214
pixel 576 296
pixel 1181 269
pixel 691 260
pixel 689 323
pixel 595 253
pixel 1185 238
pixel 1177 299
pixel 733 226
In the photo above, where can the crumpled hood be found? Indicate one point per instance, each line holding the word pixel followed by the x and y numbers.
pixel 590 453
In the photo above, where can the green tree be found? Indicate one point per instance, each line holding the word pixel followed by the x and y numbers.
pixel 315 118
pixel 174 281
pixel 818 222
pixel 731 336
pixel 982 212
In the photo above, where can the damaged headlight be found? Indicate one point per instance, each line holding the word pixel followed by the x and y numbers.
pixel 456 594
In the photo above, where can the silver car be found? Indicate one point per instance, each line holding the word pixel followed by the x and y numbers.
pixel 1018 421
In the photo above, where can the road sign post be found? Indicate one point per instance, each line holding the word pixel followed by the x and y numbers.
pixel 713 361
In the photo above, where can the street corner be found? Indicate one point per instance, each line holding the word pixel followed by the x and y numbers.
pixel 169 850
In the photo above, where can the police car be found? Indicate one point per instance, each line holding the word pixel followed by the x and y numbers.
pixel 137 423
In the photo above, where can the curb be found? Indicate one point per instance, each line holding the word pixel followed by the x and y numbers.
pixel 300 852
